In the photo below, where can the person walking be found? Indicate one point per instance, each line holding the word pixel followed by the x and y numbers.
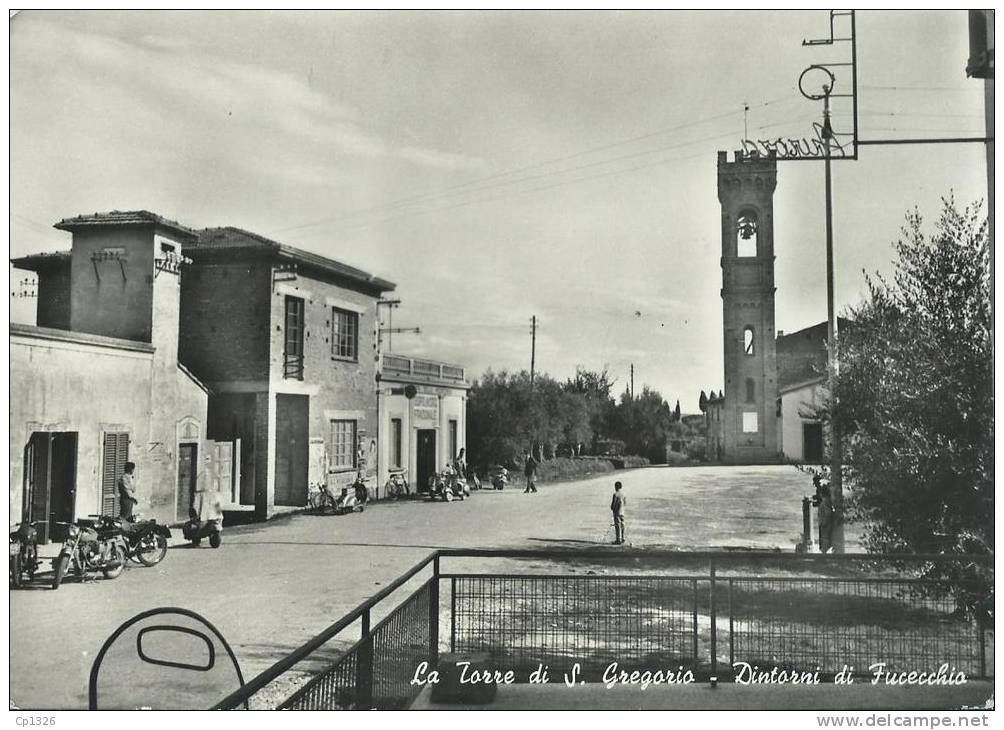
pixel 530 471
pixel 617 505
pixel 127 491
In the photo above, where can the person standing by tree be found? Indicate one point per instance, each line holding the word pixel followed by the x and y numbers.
pixel 127 491
pixel 530 471
pixel 617 505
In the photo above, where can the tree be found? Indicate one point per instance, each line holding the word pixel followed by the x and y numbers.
pixel 915 393
pixel 703 403
pixel 676 412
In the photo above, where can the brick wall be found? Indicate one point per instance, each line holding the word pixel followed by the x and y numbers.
pixel 54 298
pixel 337 388
pixel 225 321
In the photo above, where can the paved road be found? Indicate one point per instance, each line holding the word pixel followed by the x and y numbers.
pixel 273 586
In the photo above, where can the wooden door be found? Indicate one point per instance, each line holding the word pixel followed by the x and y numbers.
pixel 187 476
pixel 292 449
pixel 425 457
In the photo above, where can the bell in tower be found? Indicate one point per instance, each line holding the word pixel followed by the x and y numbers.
pixel 749 418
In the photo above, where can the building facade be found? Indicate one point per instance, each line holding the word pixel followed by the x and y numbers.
pixel 749 418
pixel 99 383
pixel 286 341
pixel 423 417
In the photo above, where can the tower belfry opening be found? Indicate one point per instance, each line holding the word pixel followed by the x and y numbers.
pixel 749 418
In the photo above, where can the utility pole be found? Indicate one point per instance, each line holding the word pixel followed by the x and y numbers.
pixel 632 381
pixel 533 347
pixel 836 447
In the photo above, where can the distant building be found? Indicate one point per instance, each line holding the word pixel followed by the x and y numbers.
pixel 423 412
pixel 748 430
pixel 801 377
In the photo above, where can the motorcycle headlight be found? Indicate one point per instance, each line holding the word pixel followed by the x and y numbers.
pixel 72 531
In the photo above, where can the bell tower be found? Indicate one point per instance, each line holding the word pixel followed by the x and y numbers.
pixel 749 418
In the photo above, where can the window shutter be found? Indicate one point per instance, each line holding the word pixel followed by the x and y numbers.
pixel 116 454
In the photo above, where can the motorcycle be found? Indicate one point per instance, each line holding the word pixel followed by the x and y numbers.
pixel 352 499
pixel 196 530
pixel 23 554
pixel 91 545
pixel 145 540
pixel 397 485
pixel 499 476
pixel 447 486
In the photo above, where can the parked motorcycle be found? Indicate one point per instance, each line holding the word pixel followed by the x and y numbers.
pixel 145 540
pixel 397 484
pixel 447 486
pixel 91 545
pixel 197 530
pixel 499 476
pixel 353 498
pixel 23 554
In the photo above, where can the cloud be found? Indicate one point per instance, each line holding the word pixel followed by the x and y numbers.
pixel 192 84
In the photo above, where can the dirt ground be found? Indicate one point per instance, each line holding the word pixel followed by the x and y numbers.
pixel 272 586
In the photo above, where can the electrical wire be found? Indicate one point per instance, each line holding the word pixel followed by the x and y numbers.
pixel 446 192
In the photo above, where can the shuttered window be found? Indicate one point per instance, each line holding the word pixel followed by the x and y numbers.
pixel 116 454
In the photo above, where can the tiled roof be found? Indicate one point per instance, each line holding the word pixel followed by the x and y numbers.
pixel 40 261
pixel 235 239
pixel 122 218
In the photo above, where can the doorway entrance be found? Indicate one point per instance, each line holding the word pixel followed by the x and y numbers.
pixel 292 449
pixel 50 481
pixel 425 457
pixel 812 443
pixel 188 455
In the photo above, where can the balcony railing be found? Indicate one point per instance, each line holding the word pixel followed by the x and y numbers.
pixel 401 365
pixel 292 366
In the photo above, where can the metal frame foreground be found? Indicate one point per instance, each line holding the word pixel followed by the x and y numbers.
pixel 646 610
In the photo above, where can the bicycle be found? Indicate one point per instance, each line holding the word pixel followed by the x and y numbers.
pixel 322 500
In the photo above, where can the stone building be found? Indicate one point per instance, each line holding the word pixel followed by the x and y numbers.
pixel 285 340
pixel 748 418
pixel 98 382
pixel 214 359
pixel 423 412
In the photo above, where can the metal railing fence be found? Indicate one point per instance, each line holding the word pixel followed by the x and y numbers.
pixel 661 609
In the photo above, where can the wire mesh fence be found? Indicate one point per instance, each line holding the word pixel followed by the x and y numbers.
pixel 552 620
pixel 375 673
pixel 820 614
pixel 833 625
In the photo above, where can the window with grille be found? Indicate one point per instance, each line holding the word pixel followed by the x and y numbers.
pixel 397 437
pixel 344 334
pixel 293 354
pixel 342 453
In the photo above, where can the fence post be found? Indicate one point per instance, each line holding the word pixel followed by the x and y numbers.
pixel 732 642
pixel 364 667
pixel 981 640
pixel 434 614
pixel 453 614
pixel 714 623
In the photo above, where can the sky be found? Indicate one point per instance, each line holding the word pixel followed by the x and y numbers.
pixel 496 165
